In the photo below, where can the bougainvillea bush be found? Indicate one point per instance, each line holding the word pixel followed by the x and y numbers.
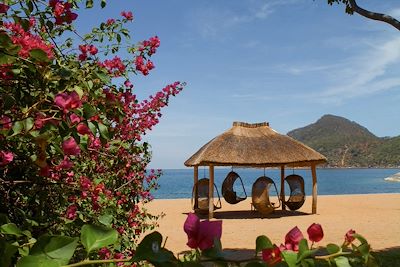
pixel 71 125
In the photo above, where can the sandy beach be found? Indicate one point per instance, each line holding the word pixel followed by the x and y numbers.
pixel 375 216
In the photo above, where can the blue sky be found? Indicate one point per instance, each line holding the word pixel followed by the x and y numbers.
pixel 287 62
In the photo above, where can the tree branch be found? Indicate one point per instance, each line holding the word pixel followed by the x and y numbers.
pixel 373 15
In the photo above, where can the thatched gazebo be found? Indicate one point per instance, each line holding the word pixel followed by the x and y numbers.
pixel 259 146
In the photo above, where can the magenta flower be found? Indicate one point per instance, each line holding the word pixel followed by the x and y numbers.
pixel 349 236
pixel 6 157
pixel 315 232
pixel 75 118
pixel 127 14
pixel 70 147
pixel 67 101
pixel 4 8
pixel 292 239
pixel 201 234
pixel 5 122
pixel 272 256
pixel 83 129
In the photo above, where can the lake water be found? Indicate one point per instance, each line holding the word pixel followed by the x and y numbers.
pixel 178 183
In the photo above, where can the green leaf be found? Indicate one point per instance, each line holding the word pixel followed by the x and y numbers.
pixel 89 3
pixel 7 252
pixel 39 55
pixel 106 219
pixel 332 248
pixel 290 258
pixel 10 229
pixel 28 124
pixel 17 127
pixel 58 248
pixel 263 242
pixel 88 111
pixel 103 131
pixel 103 3
pixel 214 252
pixel 103 77
pixel 95 237
pixel 37 261
pixel 4 219
pixel 5 40
pixel 92 127
pixel 342 262
pixel 150 249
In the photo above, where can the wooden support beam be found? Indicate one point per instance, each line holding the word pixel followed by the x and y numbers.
pixel 314 189
pixel 211 193
pixel 196 191
pixel 283 187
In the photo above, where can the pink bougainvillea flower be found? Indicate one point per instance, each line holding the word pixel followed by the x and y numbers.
pixel 66 164
pixel 83 129
pixel 127 14
pixel 6 157
pixel 272 256
pixel 110 22
pixel 75 118
pixel 292 239
pixel 315 232
pixel 71 212
pixel 4 8
pixel 349 236
pixel 67 101
pixel 93 50
pixel 70 147
pixel 5 122
pixel 201 234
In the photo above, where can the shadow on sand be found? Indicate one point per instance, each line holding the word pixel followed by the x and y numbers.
pixel 388 257
pixel 251 214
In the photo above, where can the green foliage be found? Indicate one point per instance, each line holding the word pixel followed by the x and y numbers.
pixel 95 237
pixel 348 144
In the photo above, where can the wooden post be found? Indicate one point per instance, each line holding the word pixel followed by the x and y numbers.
pixel 211 193
pixel 196 191
pixel 283 187
pixel 314 189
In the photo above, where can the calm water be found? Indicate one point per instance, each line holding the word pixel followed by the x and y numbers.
pixel 178 183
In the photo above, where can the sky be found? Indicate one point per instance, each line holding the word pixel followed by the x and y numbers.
pixel 287 62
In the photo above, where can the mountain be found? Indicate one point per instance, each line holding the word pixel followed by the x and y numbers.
pixel 345 143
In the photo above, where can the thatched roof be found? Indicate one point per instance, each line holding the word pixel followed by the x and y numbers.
pixel 254 145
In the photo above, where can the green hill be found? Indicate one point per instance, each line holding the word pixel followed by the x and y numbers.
pixel 347 144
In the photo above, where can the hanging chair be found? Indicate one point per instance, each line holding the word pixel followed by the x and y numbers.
pixel 297 193
pixel 201 204
pixel 228 192
pixel 260 195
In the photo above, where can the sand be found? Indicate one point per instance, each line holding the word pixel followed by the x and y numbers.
pixel 375 216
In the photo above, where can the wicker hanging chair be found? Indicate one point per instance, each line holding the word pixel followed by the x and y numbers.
pixel 297 193
pixel 228 192
pixel 260 195
pixel 201 204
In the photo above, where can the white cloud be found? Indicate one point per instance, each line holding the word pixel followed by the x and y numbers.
pixel 365 73
pixel 212 22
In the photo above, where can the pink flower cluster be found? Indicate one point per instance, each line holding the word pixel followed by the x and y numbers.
pixel 67 102
pixel 150 45
pixel 27 40
pixel 5 157
pixel 127 15
pixel 62 12
pixel 143 67
pixel 115 66
pixel 4 8
pixel 85 49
